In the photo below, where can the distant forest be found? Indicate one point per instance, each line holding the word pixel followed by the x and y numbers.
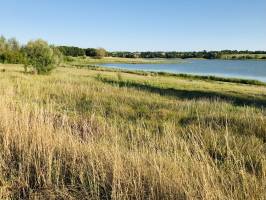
pixel 92 52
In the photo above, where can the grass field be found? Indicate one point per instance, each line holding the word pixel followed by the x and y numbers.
pixel 95 134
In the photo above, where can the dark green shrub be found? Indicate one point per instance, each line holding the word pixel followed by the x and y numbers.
pixel 14 57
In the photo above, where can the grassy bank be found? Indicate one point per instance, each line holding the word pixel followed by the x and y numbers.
pixel 88 134
pixel 166 74
pixel 115 60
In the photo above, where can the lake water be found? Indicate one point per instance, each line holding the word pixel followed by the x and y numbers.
pixel 247 69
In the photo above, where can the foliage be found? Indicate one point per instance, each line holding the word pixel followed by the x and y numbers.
pixel 71 51
pixel 10 51
pixel 3 44
pixel 41 56
pixel 58 56
pixel 79 52
pixel 100 53
pixel 14 57
pixel 91 52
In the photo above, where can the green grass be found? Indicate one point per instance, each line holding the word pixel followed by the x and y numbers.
pixel 90 134
pixel 114 60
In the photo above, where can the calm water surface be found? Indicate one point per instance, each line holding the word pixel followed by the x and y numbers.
pixel 248 69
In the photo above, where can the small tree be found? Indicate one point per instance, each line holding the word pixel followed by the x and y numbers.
pixel 2 44
pixel 58 56
pixel 100 53
pixel 13 44
pixel 41 56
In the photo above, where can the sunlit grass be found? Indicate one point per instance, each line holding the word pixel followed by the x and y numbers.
pixel 112 60
pixel 88 134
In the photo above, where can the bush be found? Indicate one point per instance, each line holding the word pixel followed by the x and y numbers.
pixel 68 59
pixel 14 57
pixel 41 57
pixel 10 51
pixel 91 52
pixel 100 53
pixel 58 56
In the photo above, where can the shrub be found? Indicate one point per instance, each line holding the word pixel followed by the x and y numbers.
pixel 68 59
pixel 41 57
pixel 100 53
pixel 3 43
pixel 58 56
pixel 10 51
pixel 91 52
pixel 14 57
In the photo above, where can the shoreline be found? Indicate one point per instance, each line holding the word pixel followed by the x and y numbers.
pixel 117 60
pixel 179 75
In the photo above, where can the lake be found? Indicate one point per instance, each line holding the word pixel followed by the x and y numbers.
pixel 247 69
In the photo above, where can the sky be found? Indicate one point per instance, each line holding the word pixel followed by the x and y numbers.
pixel 138 25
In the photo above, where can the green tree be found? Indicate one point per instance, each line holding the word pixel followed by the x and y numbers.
pixel 100 53
pixel 71 51
pixel 59 57
pixel 2 44
pixel 13 44
pixel 40 56
pixel 90 52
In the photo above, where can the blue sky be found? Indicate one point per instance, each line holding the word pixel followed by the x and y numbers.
pixel 138 25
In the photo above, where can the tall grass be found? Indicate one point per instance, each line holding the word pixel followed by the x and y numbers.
pixel 71 136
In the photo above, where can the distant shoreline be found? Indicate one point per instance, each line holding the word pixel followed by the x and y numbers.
pixel 116 60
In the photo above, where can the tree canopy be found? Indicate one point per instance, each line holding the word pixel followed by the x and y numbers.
pixel 42 57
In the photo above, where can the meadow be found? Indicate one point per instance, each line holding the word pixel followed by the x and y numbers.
pixel 92 133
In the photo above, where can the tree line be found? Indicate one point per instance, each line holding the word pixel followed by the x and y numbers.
pixel 184 55
pixel 77 52
pixel 99 53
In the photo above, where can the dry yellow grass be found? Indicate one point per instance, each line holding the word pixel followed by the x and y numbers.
pixel 72 135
